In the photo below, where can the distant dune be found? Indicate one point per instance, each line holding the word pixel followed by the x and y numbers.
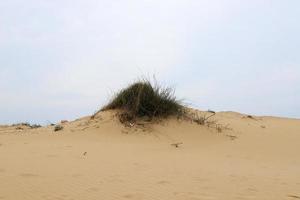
pixel 234 156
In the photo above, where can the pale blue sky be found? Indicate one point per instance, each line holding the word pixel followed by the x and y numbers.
pixel 62 59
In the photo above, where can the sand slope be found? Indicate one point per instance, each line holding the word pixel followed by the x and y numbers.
pixel 253 158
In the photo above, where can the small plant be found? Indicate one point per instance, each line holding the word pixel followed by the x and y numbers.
pixel 58 128
pixel 207 121
pixel 219 128
pixel 143 99
pixel 22 124
pixel 26 124
pixel 35 126
pixel 202 119
pixel 199 120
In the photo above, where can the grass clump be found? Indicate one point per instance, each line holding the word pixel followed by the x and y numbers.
pixel 143 99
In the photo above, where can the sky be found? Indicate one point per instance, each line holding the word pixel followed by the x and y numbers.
pixel 63 59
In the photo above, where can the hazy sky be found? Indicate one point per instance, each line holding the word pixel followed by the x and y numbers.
pixel 62 59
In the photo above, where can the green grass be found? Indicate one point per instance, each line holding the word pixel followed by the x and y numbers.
pixel 143 99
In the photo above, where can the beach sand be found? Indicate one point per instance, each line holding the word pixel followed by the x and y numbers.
pixel 247 158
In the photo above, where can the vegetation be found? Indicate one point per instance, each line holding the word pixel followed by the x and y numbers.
pixel 33 126
pixel 202 120
pixel 58 128
pixel 143 99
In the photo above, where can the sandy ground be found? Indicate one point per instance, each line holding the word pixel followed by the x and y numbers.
pixel 252 158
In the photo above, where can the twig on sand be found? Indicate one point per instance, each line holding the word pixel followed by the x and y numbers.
pixel 176 145
pixel 232 137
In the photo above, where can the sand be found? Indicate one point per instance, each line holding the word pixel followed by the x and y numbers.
pixel 252 158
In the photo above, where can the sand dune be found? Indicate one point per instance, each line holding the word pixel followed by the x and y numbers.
pixel 249 158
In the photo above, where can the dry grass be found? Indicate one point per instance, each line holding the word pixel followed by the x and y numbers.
pixel 206 119
pixel 26 124
pixel 58 128
pixel 203 119
pixel 143 99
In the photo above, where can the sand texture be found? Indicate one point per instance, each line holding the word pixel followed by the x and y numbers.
pixel 93 159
